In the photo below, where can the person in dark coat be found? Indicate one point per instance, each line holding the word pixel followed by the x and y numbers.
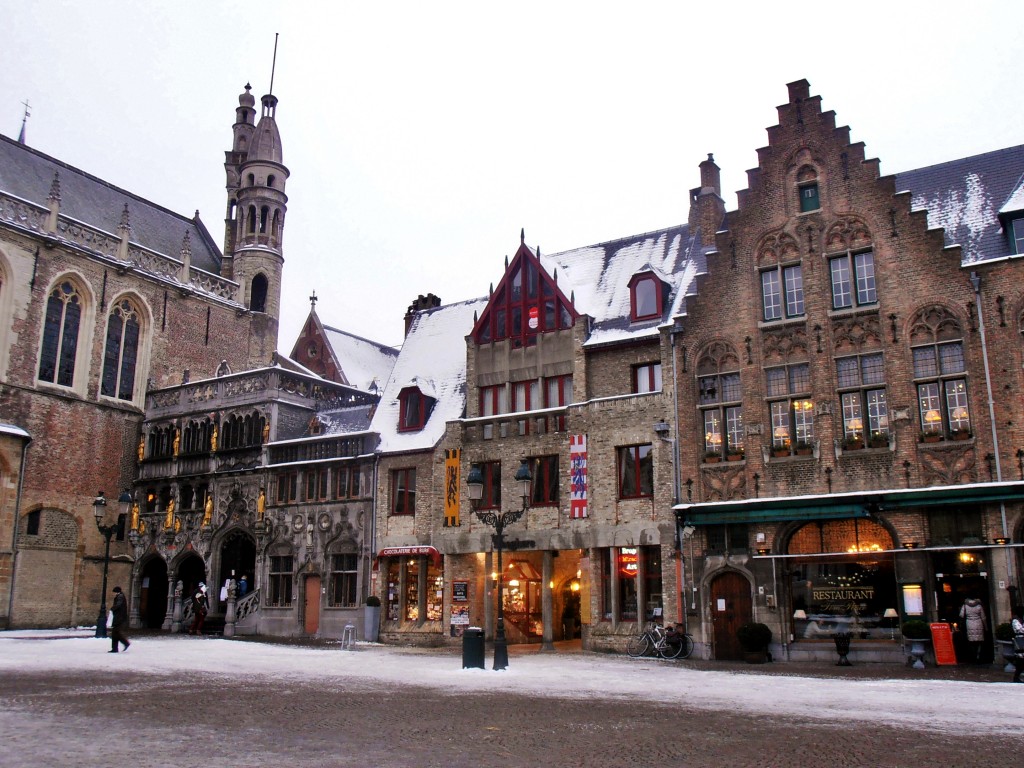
pixel 973 614
pixel 200 606
pixel 119 625
pixel 1018 642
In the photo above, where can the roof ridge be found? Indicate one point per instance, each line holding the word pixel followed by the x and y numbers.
pixel 958 160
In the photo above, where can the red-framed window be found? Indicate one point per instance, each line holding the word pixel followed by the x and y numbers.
pixel 636 471
pixel 414 409
pixel 525 397
pixel 403 491
pixel 493 401
pixel 544 491
pixel 491 497
pixel 558 392
pixel 526 302
pixel 646 297
pixel 646 378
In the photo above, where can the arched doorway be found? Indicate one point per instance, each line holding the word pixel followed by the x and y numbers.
pixel 731 607
pixel 191 571
pixel 153 593
pixel 571 610
pixel 237 558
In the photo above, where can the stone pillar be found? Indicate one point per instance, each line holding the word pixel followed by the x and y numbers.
pixel 176 617
pixel 169 614
pixel 488 596
pixel 546 601
pixel 229 616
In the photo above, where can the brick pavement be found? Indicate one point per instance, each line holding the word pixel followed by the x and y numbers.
pixel 159 720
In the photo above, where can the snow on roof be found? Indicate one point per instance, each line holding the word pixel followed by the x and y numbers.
pixel 964 197
pixel 433 358
pixel 598 278
pixel 362 362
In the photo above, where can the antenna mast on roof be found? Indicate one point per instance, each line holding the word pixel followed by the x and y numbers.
pixel 273 66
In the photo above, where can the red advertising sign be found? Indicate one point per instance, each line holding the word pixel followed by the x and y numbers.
pixel 942 642
pixel 629 561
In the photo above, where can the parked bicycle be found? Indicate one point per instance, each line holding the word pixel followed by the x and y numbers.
pixel 669 643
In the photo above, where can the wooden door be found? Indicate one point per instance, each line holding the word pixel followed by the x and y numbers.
pixel 731 606
pixel 312 605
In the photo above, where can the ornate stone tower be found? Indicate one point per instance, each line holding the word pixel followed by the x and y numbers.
pixel 254 225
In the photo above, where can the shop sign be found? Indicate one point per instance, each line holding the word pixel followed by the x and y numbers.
pixel 460 591
pixel 533 318
pixel 629 561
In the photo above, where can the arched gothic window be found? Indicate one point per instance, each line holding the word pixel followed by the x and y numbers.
pixel 60 334
pixel 258 294
pixel 121 351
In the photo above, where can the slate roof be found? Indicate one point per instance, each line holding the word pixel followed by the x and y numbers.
pixel 432 358
pixel 966 197
pixel 361 362
pixel 27 173
pixel 597 276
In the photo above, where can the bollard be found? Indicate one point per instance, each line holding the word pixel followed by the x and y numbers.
pixel 348 637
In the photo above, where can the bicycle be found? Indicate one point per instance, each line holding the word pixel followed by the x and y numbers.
pixel 668 643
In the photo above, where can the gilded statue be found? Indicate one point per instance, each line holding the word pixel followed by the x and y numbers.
pixel 261 504
pixel 169 518
pixel 213 439
pixel 177 441
pixel 266 432
pixel 208 512
pixel 135 516
pixel 142 449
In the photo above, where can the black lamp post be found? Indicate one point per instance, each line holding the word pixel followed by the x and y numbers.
pixel 99 510
pixel 498 520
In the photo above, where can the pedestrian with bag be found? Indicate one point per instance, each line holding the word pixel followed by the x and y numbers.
pixel 1018 643
pixel 119 622
pixel 200 607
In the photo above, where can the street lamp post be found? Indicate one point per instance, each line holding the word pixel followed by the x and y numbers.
pixel 498 520
pixel 99 510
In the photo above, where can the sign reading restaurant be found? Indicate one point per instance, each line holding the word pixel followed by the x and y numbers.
pixel 840 595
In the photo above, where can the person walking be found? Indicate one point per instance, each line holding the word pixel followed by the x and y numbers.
pixel 200 606
pixel 243 586
pixel 1018 644
pixel 119 624
pixel 973 614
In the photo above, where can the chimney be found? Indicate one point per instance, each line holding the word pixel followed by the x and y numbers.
pixel 420 303
pixel 707 209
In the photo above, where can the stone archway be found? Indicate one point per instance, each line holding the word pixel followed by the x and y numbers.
pixel 237 558
pixel 153 593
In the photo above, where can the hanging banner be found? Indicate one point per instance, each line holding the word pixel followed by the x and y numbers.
pixel 577 476
pixel 451 488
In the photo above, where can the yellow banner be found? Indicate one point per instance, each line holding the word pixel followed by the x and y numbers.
pixel 451 487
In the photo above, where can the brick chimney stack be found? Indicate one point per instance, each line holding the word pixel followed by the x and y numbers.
pixel 420 303
pixel 707 209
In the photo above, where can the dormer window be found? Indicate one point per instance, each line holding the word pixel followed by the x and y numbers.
pixel 1017 235
pixel 414 409
pixel 646 294
pixel 807 186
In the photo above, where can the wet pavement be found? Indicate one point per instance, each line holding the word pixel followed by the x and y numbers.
pixel 89 718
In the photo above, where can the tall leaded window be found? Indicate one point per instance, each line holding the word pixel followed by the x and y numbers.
pixel 491 496
pixel 344 573
pixel 403 491
pixel 279 593
pixel 790 405
pixel 493 401
pixel 558 392
pixel 121 351
pixel 720 400
pixel 853 280
pixel 861 380
pixel 940 374
pixel 636 471
pixel 782 292
pixel 525 397
pixel 60 335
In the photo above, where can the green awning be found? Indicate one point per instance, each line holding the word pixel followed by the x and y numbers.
pixel 845 505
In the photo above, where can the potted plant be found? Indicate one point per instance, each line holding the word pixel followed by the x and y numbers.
pixel 712 457
pixel 803 448
pixel 930 437
pixel 918 633
pixel 853 443
pixel 780 450
pixel 878 440
pixel 960 434
pixel 371 619
pixel 734 453
pixel 754 638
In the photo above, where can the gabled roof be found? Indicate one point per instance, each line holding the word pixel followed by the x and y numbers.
pixel 433 358
pixel 28 174
pixel 360 362
pixel 598 276
pixel 965 197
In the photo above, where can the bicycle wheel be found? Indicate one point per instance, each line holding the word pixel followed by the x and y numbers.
pixel 686 646
pixel 670 649
pixel 638 645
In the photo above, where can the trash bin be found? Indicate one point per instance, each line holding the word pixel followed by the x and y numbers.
pixel 473 648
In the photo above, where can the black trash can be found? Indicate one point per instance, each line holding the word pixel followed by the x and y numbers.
pixel 473 648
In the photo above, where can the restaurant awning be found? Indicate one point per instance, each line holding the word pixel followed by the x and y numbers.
pixel 844 505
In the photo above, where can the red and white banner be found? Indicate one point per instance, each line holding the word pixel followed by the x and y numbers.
pixel 577 476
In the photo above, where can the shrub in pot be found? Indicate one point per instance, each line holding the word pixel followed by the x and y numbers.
pixel 754 638
pixel 916 629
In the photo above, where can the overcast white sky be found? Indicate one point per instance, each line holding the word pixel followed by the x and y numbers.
pixel 421 136
pixel 935 705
